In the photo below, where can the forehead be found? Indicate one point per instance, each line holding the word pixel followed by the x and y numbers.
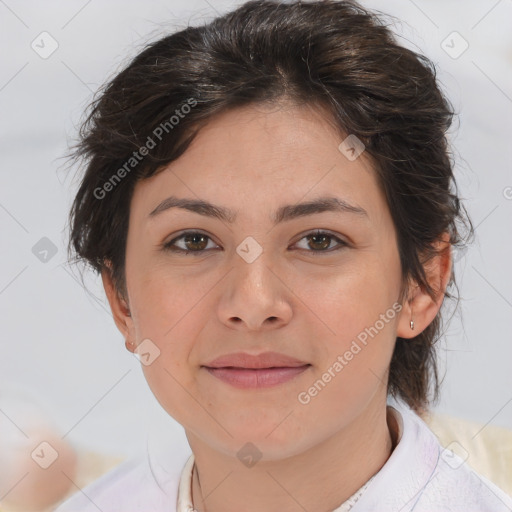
pixel 261 156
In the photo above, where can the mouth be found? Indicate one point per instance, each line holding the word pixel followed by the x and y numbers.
pixel 246 378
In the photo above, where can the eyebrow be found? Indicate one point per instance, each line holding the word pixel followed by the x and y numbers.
pixel 282 214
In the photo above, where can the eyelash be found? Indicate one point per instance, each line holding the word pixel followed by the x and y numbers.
pixel 169 245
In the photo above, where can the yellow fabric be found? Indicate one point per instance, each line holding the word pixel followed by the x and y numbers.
pixel 487 449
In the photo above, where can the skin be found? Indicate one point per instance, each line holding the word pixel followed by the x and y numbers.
pixel 292 299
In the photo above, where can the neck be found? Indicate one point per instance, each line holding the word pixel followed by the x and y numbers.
pixel 319 479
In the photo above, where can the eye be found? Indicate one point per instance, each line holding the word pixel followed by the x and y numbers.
pixel 194 242
pixel 320 241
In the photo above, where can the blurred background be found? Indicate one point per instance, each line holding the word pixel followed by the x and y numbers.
pixel 60 348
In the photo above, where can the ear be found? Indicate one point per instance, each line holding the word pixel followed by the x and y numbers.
pixel 120 309
pixel 420 307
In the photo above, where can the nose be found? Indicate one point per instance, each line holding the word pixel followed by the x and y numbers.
pixel 255 297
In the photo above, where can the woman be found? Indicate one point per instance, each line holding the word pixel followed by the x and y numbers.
pixel 269 201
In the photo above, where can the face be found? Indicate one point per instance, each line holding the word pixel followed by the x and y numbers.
pixel 246 283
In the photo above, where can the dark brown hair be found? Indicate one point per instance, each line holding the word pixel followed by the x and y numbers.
pixel 332 54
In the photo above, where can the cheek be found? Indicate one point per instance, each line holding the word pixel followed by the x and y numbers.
pixel 354 360
pixel 351 298
pixel 169 311
pixel 164 299
pixel 356 314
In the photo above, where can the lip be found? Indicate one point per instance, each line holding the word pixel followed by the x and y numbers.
pixel 265 360
pixel 264 370
pixel 245 378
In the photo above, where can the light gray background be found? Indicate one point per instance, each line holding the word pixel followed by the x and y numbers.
pixel 60 345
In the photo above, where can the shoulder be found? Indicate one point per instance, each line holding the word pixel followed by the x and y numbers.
pixel 455 486
pixel 422 476
pixel 137 484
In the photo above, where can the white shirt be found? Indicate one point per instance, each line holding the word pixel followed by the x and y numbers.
pixel 419 476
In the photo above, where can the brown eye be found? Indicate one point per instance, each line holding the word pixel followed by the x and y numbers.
pixel 196 242
pixel 192 242
pixel 320 241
